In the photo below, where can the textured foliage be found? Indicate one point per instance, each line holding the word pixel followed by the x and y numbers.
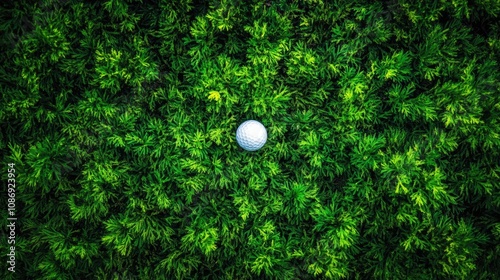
pixel 382 159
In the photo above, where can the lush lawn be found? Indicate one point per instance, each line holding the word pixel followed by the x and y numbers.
pixel 118 121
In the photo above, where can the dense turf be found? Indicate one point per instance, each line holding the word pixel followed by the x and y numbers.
pixel 382 159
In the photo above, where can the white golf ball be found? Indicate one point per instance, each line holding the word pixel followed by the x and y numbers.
pixel 251 135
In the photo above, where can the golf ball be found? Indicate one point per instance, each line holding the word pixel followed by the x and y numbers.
pixel 251 135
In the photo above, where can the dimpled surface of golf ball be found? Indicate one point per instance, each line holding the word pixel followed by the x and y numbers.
pixel 251 135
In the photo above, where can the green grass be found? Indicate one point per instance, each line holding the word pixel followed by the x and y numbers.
pixel 382 159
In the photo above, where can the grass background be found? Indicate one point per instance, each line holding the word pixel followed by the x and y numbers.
pixel 382 160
